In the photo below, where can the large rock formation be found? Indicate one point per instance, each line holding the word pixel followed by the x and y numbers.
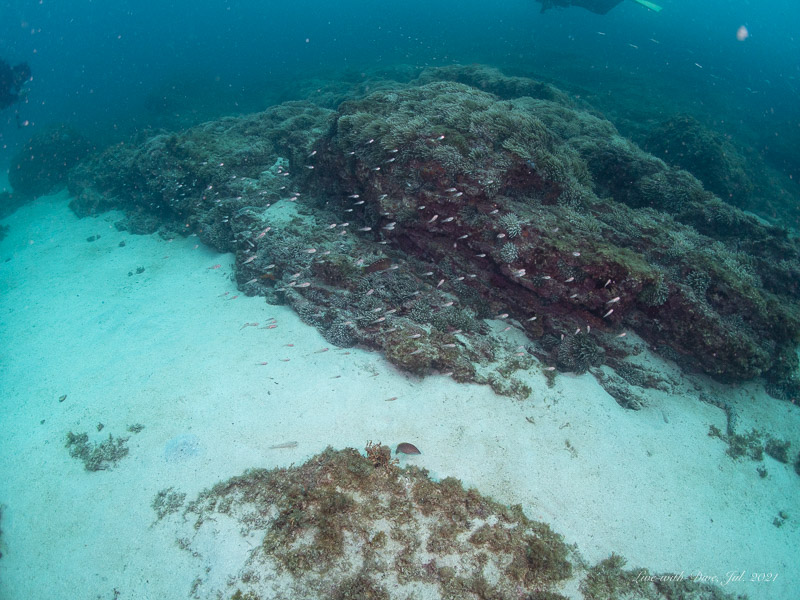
pixel 406 217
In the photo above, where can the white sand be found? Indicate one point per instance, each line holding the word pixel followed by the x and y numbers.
pixel 166 348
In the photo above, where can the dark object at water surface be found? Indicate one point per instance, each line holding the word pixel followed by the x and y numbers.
pixel 406 448
pixel 600 7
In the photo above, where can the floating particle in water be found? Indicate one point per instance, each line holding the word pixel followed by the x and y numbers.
pixel 742 33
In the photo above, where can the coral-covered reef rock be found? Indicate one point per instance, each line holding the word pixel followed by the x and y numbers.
pixel 405 218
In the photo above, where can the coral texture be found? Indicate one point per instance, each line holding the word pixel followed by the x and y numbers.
pixel 405 217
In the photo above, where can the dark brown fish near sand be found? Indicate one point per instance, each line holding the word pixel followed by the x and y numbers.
pixel 379 265
pixel 406 448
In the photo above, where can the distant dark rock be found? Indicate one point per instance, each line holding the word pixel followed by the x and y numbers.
pixel 42 165
pixel 684 142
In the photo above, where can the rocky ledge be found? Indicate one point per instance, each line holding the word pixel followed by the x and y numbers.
pixel 406 218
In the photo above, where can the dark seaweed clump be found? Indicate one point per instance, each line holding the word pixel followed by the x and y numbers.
pixel 348 526
pixel 405 528
pixel 609 580
pixel 97 456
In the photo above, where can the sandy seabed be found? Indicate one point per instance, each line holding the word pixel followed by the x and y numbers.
pixel 170 348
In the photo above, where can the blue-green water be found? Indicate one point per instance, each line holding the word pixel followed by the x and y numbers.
pixel 103 331
pixel 100 67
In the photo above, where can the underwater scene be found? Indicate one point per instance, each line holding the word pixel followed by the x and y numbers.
pixel 414 301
